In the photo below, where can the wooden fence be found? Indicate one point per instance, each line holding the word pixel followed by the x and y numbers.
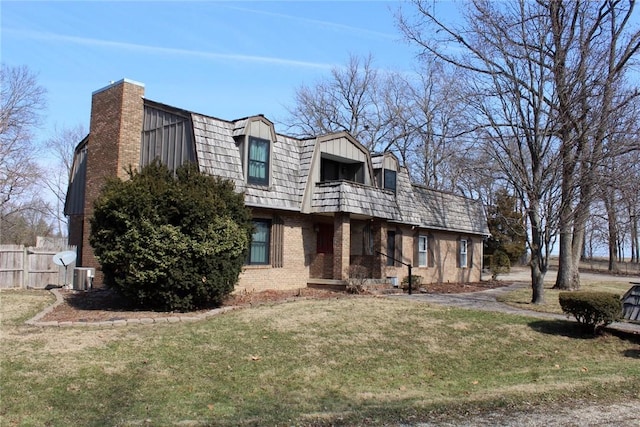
pixel 32 267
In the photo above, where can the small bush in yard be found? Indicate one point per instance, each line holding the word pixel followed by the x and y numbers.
pixel 595 310
pixel 174 243
pixel 416 281
pixel 357 278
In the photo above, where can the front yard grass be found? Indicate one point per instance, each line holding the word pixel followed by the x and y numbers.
pixel 521 298
pixel 347 361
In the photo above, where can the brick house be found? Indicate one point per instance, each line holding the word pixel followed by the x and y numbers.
pixel 320 205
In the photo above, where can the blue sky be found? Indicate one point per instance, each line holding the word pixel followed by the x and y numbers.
pixel 225 59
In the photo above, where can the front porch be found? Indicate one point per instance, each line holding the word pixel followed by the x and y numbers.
pixel 348 250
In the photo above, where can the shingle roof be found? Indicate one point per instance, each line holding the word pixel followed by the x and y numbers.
pixel 445 211
pixel 283 191
pixel 291 165
pixel 346 196
pixel 216 151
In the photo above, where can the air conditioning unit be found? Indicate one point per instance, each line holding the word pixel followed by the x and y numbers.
pixel 83 278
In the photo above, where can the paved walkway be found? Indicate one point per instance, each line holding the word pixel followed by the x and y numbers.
pixel 486 300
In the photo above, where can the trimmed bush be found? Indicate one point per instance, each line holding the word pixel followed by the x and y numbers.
pixel 594 310
pixel 171 243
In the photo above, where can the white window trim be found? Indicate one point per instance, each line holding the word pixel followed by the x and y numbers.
pixel 463 253
pixel 425 251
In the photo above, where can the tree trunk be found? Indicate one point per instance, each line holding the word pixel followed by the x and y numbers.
pixel 537 279
pixel 613 233
pixel 578 238
pixel 538 260
pixel 635 250
pixel 565 265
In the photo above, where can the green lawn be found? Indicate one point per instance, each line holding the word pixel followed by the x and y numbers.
pixel 345 361
pixel 521 298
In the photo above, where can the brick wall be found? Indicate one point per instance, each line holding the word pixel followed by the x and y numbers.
pixel 446 259
pixel 298 247
pixel 114 143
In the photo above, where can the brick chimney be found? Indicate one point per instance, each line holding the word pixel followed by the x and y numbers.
pixel 115 134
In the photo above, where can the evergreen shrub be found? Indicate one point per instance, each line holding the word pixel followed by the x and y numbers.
pixel 171 242
pixel 499 264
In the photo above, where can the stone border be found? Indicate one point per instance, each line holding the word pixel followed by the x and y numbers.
pixel 36 320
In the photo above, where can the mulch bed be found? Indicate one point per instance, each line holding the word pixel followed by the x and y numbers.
pixel 104 305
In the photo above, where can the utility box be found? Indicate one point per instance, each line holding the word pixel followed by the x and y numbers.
pixel 83 278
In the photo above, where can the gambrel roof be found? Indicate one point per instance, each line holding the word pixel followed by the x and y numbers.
pixel 295 184
pixel 293 161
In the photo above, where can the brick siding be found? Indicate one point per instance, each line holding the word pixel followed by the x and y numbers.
pixel 298 247
pixel 114 144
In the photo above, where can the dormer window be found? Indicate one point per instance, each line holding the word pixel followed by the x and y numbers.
pixel 258 161
pixel 390 180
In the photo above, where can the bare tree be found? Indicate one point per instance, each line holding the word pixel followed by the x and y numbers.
pixel 552 73
pixel 504 50
pixel 348 101
pixel 437 128
pixel 22 227
pixel 590 53
pixel 61 147
pixel 632 200
pixel 415 115
pixel 22 102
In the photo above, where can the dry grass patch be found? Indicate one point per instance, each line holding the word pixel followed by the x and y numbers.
pixel 16 306
pixel 332 361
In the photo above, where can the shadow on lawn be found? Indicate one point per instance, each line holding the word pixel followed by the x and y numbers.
pixel 572 329
pixel 565 328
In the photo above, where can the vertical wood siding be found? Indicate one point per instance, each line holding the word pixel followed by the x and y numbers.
pixel 167 137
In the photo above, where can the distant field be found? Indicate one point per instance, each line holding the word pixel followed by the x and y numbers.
pixel 602 264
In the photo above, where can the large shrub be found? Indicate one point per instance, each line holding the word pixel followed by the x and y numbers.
pixel 171 242
pixel 594 310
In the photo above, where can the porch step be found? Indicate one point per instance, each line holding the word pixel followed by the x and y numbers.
pixel 328 284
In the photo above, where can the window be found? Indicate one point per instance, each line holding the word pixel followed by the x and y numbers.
pixel 463 253
pixel 391 248
pixel 390 180
pixel 258 170
pixel 422 251
pixel 260 242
